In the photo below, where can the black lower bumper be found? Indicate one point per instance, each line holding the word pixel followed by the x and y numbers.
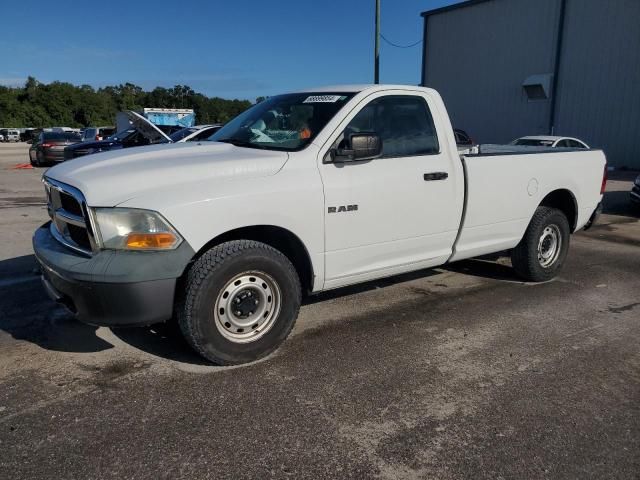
pixel 111 288
pixel 112 304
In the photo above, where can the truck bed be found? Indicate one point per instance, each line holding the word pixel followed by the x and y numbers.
pixel 504 186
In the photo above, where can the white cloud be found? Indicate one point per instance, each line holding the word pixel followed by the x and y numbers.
pixel 12 81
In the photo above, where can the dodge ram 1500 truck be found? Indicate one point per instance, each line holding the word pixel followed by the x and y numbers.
pixel 301 193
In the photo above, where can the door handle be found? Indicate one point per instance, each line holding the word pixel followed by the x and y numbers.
pixel 429 177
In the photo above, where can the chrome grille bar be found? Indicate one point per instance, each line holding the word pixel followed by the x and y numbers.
pixel 65 223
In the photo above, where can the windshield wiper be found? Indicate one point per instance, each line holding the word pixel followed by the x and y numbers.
pixel 241 143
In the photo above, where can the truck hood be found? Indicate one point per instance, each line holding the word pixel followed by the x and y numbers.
pixel 110 178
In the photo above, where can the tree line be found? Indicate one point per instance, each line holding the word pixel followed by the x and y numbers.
pixel 42 105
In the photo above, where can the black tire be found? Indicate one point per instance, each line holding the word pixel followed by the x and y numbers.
pixel 38 159
pixel 206 283
pixel 525 257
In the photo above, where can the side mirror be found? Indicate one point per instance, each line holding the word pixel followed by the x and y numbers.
pixel 364 146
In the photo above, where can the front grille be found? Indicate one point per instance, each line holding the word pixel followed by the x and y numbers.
pixel 70 204
pixel 70 223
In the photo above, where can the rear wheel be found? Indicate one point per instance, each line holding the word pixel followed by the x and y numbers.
pixel 240 301
pixel 543 249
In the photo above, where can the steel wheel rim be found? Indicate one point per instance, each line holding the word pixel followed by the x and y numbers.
pixel 247 307
pixel 549 246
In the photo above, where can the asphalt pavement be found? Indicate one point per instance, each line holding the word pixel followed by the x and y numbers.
pixel 456 372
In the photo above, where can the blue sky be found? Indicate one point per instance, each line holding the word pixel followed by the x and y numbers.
pixel 232 49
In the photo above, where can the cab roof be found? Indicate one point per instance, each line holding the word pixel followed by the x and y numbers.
pixel 356 88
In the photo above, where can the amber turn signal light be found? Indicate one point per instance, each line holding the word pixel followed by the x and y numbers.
pixel 151 241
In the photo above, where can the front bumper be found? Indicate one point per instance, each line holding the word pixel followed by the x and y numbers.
pixel 111 288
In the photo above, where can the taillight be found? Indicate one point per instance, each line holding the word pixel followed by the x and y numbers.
pixel 47 145
pixel 604 180
pixel 98 137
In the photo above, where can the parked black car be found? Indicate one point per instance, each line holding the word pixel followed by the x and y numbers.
pixel 142 132
pixel 125 139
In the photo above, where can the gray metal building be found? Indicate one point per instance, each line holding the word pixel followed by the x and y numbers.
pixel 509 68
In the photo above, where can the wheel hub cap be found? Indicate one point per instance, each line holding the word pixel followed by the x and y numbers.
pixel 247 307
pixel 549 246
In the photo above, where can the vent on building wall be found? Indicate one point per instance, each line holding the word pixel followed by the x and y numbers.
pixel 538 87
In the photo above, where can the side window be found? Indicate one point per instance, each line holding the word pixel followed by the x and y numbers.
pixel 575 144
pixel 403 122
pixel 563 144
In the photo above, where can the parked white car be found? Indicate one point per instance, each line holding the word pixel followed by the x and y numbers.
pixel 196 133
pixel 550 141
pixel 302 193
pixel 12 136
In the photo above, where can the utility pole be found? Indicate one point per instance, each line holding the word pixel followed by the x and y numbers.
pixel 376 61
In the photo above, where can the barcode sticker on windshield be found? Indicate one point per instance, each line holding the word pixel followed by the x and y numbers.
pixel 322 99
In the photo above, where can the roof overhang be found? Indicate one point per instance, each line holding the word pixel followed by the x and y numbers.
pixel 455 6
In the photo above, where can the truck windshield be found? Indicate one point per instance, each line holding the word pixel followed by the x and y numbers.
pixel 284 122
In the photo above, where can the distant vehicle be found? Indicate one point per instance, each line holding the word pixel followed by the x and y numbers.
pixel 49 147
pixel 463 141
pixel 168 120
pixel 635 191
pixel 550 141
pixel 92 134
pixel 61 129
pixel 30 134
pixel 12 136
pixel 194 134
pixel 139 132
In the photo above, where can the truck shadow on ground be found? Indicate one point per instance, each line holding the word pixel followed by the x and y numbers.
pixel 486 267
pixel 27 314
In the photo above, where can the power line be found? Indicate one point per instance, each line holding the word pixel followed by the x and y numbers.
pixel 399 46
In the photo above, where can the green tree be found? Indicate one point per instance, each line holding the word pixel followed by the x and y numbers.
pixel 41 105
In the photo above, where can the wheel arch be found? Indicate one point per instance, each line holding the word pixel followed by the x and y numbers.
pixel 565 201
pixel 277 237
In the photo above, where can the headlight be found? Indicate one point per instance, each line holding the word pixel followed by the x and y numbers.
pixel 134 229
pixel 638 181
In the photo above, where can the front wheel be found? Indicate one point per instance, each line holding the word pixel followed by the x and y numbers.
pixel 543 249
pixel 240 302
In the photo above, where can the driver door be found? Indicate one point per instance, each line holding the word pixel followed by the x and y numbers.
pixel 391 214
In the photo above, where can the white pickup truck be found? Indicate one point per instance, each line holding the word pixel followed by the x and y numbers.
pixel 302 193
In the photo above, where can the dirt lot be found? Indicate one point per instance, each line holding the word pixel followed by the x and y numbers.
pixel 458 372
